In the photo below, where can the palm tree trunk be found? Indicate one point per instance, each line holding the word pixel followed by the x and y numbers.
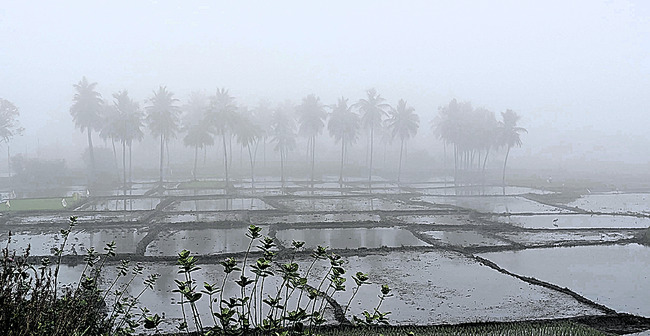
pixel 250 156
pixel 117 169
pixel 225 158
pixel 196 154
pixel 372 142
pixel 124 170
pixel 162 152
pixel 313 156
pixel 342 158
pixel 505 162
pixel 130 162
pixel 282 166
pixel 92 157
pixel 399 169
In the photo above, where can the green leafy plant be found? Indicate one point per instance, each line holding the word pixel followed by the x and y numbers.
pixel 295 305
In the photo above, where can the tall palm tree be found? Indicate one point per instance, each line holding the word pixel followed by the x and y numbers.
pixel 343 125
pixel 283 130
pixel 263 115
pixel 311 117
pixel 373 110
pixel 222 115
pixel 510 136
pixel 195 126
pixel 85 110
pixel 127 125
pixel 403 123
pixel 248 134
pixel 163 118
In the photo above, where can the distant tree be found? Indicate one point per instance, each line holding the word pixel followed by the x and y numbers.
pixel 9 126
pixel 311 117
pixel 248 133
pixel 86 110
pixel 127 124
pixel 263 116
pixel 373 110
pixel 343 125
pixel 163 119
pixel 403 123
pixel 510 136
pixel 283 130
pixel 195 125
pixel 222 115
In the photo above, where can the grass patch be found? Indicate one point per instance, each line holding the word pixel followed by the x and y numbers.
pixel 32 204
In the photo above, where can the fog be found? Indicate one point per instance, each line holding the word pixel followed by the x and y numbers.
pixel 577 73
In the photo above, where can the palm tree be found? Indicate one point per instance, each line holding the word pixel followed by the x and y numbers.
pixel 85 110
pixel 127 125
pixel 510 136
pixel 344 127
pixel 372 111
pixel 9 126
pixel 222 115
pixel 283 130
pixel 311 117
pixel 403 123
pixel 263 115
pixel 163 119
pixel 248 134
pixel 197 129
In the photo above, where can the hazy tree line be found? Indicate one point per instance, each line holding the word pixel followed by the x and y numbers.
pixel 470 134
pixel 217 119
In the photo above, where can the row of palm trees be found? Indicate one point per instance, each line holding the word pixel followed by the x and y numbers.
pixel 217 118
pixel 474 133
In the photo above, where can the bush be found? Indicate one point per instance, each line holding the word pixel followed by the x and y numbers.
pixel 31 303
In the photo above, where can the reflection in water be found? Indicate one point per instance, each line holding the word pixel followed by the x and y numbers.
pixel 343 238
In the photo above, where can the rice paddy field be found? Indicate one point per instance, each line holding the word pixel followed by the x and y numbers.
pixel 461 261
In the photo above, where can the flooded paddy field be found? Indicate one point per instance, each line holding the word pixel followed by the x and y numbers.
pixel 450 258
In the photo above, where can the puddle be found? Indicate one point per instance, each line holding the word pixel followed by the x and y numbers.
pixel 614 203
pixel 577 221
pixel 350 238
pixel 437 220
pixel 562 237
pixel 203 217
pixel 121 204
pixel 445 287
pixel 481 191
pixel 464 238
pixel 200 241
pixel 81 218
pixel 193 192
pixel 223 204
pixel 616 276
pixel 347 204
pixel 315 218
pixel 494 204
pixel 43 243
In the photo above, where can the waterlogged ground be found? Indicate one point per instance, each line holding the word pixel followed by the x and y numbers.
pixel 451 255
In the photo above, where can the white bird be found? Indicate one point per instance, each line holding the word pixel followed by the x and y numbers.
pixel 87 192
pixel 64 203
pixel 8 204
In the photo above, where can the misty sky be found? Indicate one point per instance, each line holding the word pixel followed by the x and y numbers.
pixel 570 65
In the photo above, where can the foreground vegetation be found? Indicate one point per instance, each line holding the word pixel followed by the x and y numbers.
pixel 32 303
